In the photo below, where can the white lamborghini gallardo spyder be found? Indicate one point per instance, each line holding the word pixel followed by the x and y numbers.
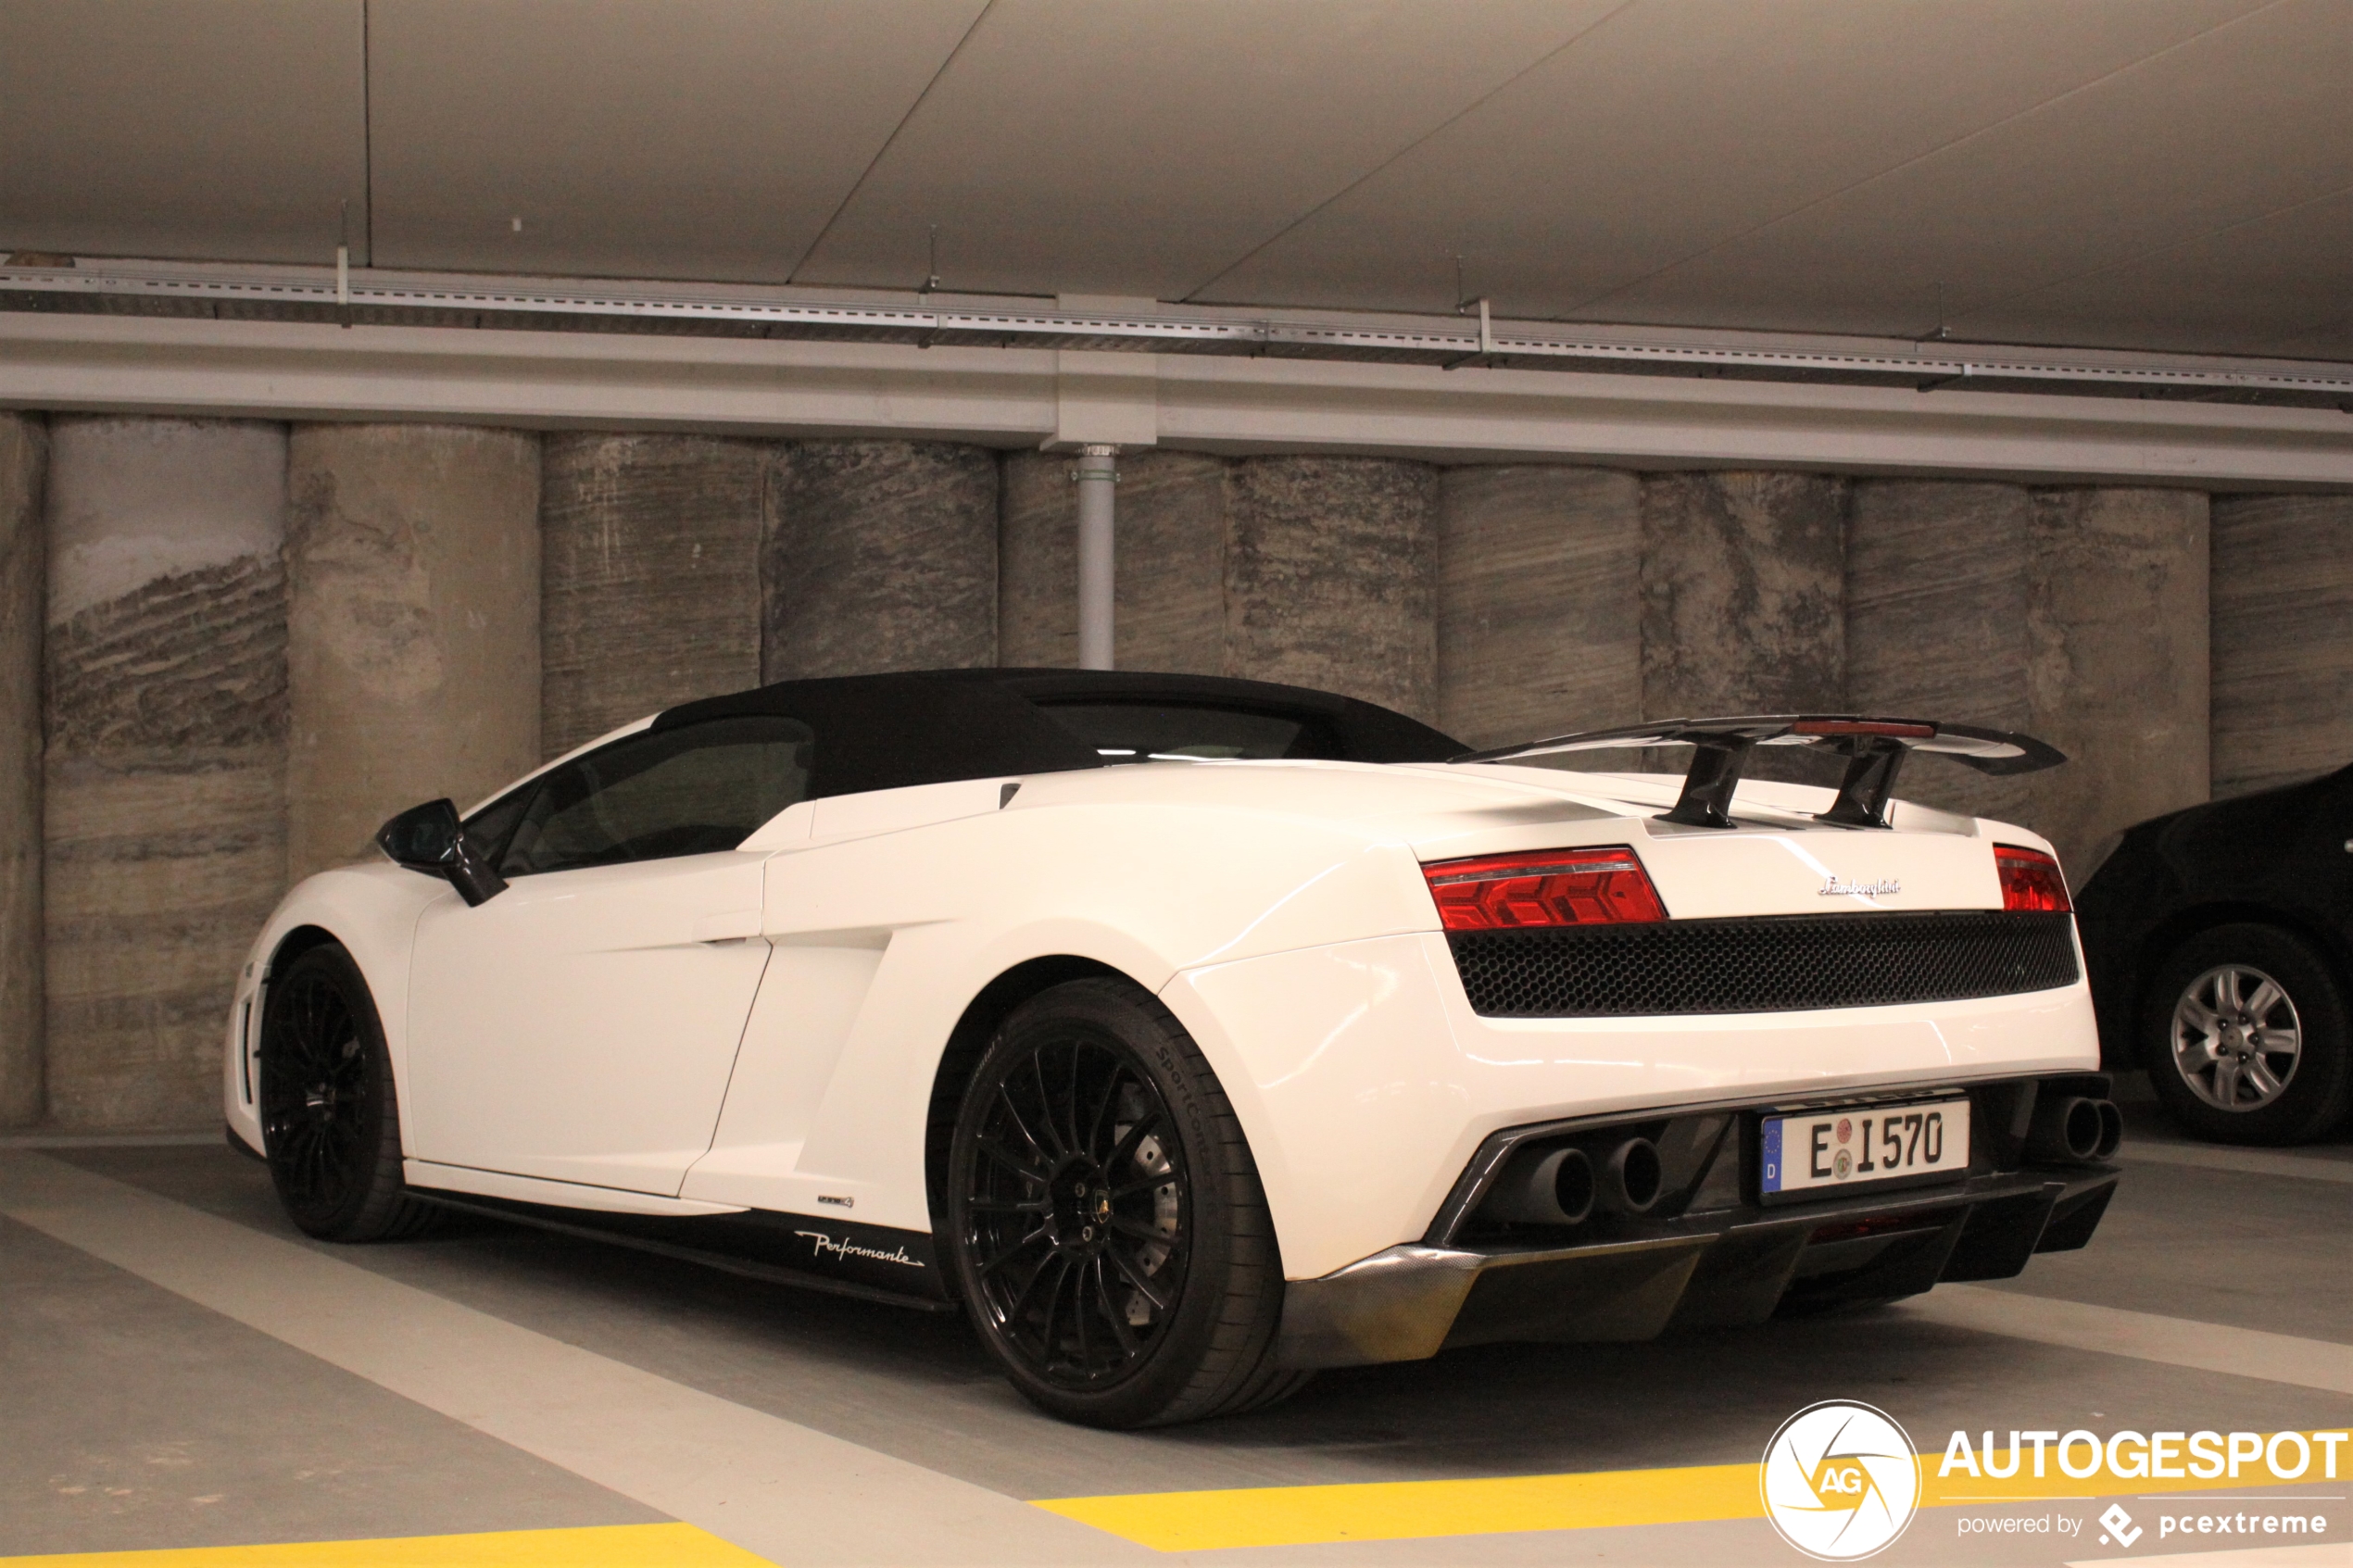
pixel 1190 1035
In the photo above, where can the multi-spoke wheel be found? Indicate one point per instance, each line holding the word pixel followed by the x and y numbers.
pixel 2243 1032
pixel 329 1124
pixel 2236 1037
pixel 1106 1220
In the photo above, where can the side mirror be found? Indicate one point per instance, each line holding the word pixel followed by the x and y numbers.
pixel 428 838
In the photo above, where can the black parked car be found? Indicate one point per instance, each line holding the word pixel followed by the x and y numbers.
pixel 2221 943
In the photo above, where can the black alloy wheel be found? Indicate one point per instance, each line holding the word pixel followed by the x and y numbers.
pixel 2243 1032
pixel 330 1122
pixel 1076 1212
pixel 1106 1223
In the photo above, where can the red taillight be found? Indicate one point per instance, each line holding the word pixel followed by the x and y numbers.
pixel 2030 881
pixel 1887 727
pixel 1547 887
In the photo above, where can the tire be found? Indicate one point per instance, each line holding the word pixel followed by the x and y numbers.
pixel 1105 1221
pixel 330 1120
pixel 2211 1010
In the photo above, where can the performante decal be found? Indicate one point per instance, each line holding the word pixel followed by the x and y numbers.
pixel 901 1265
pixel 822 1245
pixel 878 1256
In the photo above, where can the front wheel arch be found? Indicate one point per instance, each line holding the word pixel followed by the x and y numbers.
pixel 297 942
pixel 2167 938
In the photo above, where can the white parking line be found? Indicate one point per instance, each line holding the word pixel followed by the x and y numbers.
pixel 2203 1347
pixel 785 1491
pixel 2248 1161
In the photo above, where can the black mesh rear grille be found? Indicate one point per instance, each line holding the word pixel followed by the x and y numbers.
pixel 1770 963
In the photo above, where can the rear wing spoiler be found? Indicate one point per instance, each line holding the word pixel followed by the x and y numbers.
pixel 1874 750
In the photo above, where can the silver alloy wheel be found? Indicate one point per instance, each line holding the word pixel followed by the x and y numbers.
pixel 2236 1038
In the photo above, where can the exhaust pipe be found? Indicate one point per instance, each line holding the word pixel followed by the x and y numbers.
pixel 1631 1177
pixel 1556 1188
pixel 2111 1130
pixel 1565 1186
pixel 2074 1129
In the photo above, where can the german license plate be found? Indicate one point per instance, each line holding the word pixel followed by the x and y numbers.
pixel 1862 1146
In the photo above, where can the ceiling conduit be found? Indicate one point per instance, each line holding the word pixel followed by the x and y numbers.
pixel 365 297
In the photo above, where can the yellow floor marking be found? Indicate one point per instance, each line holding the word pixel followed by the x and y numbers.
pixel 611 1546
pixel 1393 1511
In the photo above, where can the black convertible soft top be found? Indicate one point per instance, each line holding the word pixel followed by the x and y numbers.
pixel 933 726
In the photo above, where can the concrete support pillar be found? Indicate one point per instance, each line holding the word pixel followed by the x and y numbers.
pixel 1097 553
pixel 1539 602
pixel 2283 639
pixel 878 555
pixel 24 451
pixel 1936 596
pixel 1169 584
pixel 1743 601
pixel 413 563
pixel 651 572
pixel 2118 672
pixel 165 779
pixel 1331 577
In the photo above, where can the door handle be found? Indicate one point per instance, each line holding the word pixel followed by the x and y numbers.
pixel 732 926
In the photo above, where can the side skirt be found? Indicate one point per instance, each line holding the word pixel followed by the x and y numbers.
pixel 867 1262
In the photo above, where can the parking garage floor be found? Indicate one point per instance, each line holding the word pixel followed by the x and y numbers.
pixel 180 1373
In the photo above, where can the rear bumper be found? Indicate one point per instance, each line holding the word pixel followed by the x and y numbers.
pixel 1366 1084
pixel 1706 1268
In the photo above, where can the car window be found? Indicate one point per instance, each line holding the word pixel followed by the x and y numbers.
pixel 1140 732
pixel 690 790
pixel 487 830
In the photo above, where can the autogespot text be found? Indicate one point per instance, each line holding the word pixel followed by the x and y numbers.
pixel 2154 1456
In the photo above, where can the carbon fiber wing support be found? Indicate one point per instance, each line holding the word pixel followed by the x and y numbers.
pixel 1874 749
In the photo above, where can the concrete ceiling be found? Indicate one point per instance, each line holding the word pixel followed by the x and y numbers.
pixel 2160 174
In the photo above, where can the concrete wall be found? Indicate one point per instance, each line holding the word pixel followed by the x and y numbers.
pixel 1321 571
pixel 1174 515
pixel 164 832
pixel 1038 561
pixel 23 570
pixel 878 555
pixel 1539 606
pixel 651 576
pixel 1936 599
pixel 2118 658
pixel 429 571
pixel 1331 577
pixel 2282 633
pixel 413 555
pixel 1744 601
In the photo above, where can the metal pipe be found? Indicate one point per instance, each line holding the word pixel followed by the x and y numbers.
pixel 1556 1188
pixel 132 287
pixel 1097 476
pixel 2071 1128
pixel 1631 1177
